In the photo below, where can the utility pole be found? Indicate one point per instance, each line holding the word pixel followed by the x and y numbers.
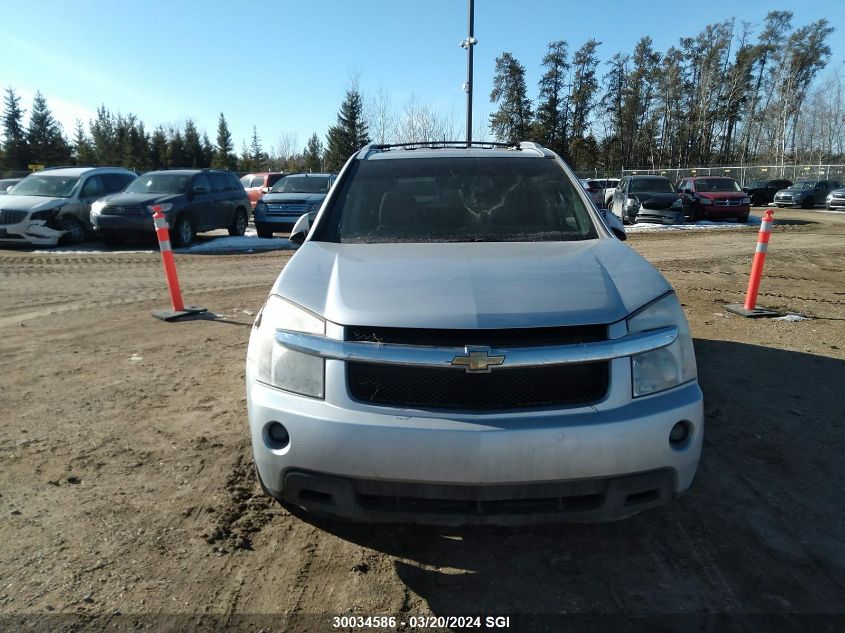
pixel 468 43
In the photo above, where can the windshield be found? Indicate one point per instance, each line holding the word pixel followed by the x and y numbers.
pixel 703 185
pixel 302 184
pixel 651 185
pixel 45 185
pixel 804 184
pixel 456 200
pixel 757 184
pixel 160 183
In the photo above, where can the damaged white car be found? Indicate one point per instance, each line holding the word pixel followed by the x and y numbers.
pixel 54 205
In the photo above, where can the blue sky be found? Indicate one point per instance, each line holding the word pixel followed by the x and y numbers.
pixel 284 65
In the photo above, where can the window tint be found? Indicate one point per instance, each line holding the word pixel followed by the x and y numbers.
pixel 257 181
pixel 116 182
pixel 651 185
pixel 245 180
pixel 457 200
pixel 218 181
pixel 272 179
pixel 93 187
pixel 200 180
pixel 234 183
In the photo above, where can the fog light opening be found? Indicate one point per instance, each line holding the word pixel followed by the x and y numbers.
pixel 276 435
pixel 679 436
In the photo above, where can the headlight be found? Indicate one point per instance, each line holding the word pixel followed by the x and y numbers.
pixel 164 207
pixel 829 197
pixel 97 207
pixel 278 366
pixel 746 201
pixel 260 206
pixel 630 203
pixel 669 366
pixel 704 200
pixel 678 204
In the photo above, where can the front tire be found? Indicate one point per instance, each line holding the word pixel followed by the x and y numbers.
pixel 75 232
pixel 758 200
pixel 239 223
pixel 807 203
pixel 183 232
pixel 263 231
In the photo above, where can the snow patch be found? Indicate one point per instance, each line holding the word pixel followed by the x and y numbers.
pixel 645 227
pixel 791 317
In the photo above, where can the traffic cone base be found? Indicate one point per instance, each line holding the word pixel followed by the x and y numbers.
pixel 175 315
pixel 739 308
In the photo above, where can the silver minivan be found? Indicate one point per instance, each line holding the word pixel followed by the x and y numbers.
pixel 461 338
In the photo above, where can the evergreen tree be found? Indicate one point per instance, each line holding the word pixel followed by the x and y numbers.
pixel 47 144
pixel 158 149
pixel 552 110
pixel 313 154
pixel 207 151
pixel 257 157
pixel 349 134
pixel 15 145
pixel 136 149
pixel 582 100
pixel 83 150
pixel 224 153
pixel 511 123
pixel 176 155
pixel 193 145
pixel 104 137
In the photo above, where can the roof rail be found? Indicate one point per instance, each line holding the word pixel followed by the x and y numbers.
pixel 441 145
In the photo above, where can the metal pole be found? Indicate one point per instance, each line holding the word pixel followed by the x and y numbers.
pixel 470 44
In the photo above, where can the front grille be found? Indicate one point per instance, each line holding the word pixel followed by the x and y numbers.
pixel 511 337
pixel 729 202
pixel 450 388
pixel 12 217
pixel 125 210
pixel 285 209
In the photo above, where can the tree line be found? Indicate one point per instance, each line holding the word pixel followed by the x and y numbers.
pixel 732 94
pixel 728 95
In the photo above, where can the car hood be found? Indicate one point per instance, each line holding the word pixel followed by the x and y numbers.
pixel 31 203
pixel 282 198
pixel 470 285
pixel 133 199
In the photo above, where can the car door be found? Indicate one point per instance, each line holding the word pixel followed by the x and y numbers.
pixel 224 199
pixel 203 208
pixel 92 189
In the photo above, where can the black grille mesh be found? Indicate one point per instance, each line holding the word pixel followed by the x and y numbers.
pixel 512 337
pixel 450 388
pixel 11 217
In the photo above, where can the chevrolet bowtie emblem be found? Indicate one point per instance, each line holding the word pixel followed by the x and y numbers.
pixel 477 361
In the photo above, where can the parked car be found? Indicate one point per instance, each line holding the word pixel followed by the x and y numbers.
pixel 763 191
pixel 835 199
pixel 291 197
pixel 609 185
pixel 193 200
pixel 714 198
pixel 54 205
pixel 8 183
pixel 648 199
pixel 805 193
pixel 461 339
pixel 595 190
pixel 258 184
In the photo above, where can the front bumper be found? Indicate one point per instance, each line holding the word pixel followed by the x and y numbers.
pixel 140 225
pixel 660 216
pixel 28 231
pixel 348 449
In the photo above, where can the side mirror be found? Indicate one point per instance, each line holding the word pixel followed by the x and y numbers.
pixel 619 233
pixel 688 191
pixel 302 227
pixel 9 188
pixel 614 224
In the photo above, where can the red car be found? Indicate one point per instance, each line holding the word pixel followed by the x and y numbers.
pixel 714 198
pixel 259 183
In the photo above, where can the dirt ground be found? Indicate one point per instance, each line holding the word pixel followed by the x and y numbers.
pixel 128 501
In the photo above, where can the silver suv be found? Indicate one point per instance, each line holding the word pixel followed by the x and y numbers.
pixel 54 205
pixel 462 339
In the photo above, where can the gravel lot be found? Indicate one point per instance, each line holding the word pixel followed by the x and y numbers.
pixel 128 500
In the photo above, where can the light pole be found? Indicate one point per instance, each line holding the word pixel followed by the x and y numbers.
pixel 468 43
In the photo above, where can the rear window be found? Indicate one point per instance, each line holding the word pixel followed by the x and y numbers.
pixel 456 200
